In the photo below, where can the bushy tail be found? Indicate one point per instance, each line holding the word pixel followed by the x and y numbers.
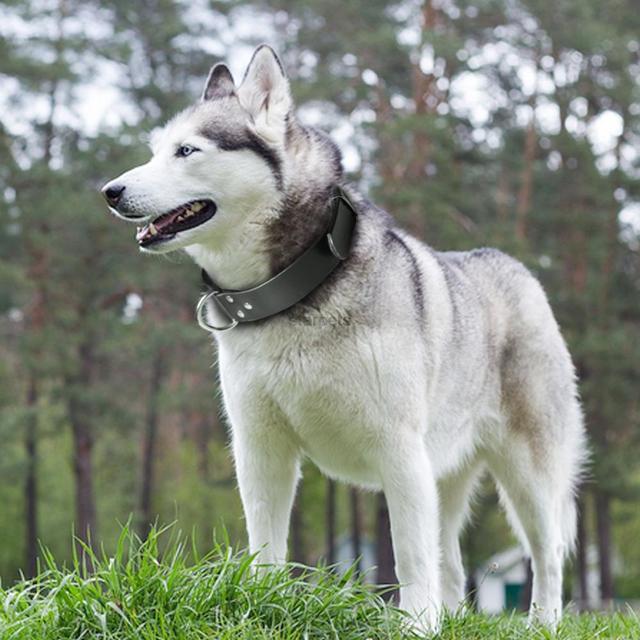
pixel 578 467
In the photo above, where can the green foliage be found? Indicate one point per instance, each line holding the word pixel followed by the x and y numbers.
pixel 454 178
pixel 159 588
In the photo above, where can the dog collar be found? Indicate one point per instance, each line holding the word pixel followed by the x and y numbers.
pixel 290 285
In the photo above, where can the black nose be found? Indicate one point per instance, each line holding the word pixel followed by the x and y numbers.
pixel 113 193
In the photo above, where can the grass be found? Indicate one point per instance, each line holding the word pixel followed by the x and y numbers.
pixel 143 593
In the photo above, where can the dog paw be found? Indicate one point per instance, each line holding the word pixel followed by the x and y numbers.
pixel 425 623
pixel 547 617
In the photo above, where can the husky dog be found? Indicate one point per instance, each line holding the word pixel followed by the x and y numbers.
pixel 407 370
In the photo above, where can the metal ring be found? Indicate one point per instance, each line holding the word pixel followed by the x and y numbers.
pixel 202 318
pixel 334 249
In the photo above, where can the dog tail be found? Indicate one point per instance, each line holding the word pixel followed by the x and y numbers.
pixel 579 472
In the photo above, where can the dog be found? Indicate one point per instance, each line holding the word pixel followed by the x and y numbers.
pixel 406 370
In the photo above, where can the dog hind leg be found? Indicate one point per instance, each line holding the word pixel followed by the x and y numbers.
pixel 536 479
pixel 534 513
pixel 538 459
pixel 455 492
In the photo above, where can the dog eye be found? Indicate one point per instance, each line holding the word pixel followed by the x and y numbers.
pixel 185 150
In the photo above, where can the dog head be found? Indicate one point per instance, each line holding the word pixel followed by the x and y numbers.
pixel 214 164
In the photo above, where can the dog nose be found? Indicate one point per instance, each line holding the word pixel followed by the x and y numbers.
pixel 113 193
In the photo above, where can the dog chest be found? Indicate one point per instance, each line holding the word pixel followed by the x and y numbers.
pixel 336 402
pixel 329 413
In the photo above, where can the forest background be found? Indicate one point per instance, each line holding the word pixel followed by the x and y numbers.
pixel 506 123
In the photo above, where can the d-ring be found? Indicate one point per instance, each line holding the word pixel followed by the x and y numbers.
pixel 202 318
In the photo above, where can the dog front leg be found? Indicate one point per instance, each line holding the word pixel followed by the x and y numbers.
pixel 412 498
pixel 267 468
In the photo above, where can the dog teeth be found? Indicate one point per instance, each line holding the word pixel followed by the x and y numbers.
pixel 152 230
pixel 196 207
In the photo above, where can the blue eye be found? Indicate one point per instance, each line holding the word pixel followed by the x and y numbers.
pixel 185 150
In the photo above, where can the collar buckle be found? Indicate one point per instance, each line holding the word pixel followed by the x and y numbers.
pixel 202 315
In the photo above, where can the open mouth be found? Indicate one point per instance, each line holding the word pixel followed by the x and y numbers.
pixel 165 226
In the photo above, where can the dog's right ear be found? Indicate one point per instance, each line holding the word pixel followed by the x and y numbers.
pixel 219 83
pixel 265 95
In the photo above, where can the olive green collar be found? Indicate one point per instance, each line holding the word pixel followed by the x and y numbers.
pixel 289 286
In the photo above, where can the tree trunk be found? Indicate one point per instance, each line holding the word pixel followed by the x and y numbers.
pixel 581 557
pixel 384 549
pixel 471 591
pixel 502 203
pixel 38 273
pixel 603 526
pixel 203 436
pixel 30 487
pixel 356 527
pixel 298 553
pixel 85 522
pixel 526 180
pixel 424 98
pixel 331 522
pixel 527 588
pixel 149 442
pixel 83 470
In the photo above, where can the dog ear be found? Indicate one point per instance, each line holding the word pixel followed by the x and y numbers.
pixel 219 83
pixel 264 91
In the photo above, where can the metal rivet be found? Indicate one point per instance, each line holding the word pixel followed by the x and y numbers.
pixel 229 298
pixel 240 314
pixel 247 305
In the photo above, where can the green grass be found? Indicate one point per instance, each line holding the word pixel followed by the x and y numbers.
pixel 143 593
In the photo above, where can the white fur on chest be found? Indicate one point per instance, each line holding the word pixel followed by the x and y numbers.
pixel 341 398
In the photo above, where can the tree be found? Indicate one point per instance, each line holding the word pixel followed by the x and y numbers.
pixel 101 350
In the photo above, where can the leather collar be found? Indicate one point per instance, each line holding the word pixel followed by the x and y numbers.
pixel 289 286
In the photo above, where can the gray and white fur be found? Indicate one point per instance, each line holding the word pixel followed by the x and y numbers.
pixel 408 370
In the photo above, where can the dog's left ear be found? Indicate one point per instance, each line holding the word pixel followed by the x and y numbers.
pixel 219 83
pixel 264 92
